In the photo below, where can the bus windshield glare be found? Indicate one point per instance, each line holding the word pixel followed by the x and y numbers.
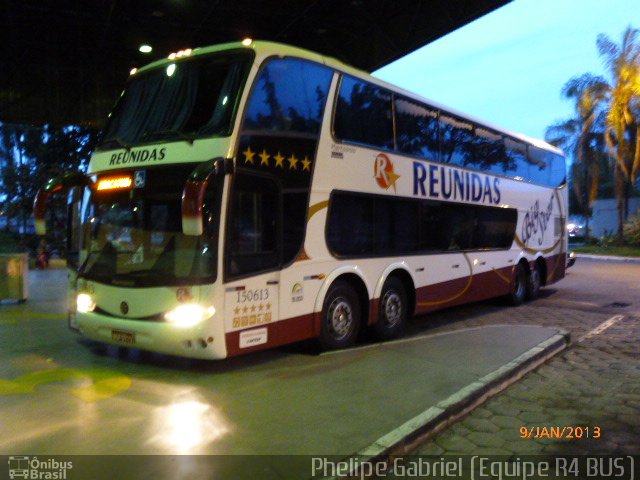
pixel 133 236
pixel 184 100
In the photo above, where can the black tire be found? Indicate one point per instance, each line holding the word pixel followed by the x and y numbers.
pixel 533 282
pixel 341 317
pixel 393 310
pixel 519 287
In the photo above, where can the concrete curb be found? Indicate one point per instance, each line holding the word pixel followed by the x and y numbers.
pixel 608 258
pixel 435 419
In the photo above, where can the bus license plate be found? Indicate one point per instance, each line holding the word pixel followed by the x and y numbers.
pixel 123 337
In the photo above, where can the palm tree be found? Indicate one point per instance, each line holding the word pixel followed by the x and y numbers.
pixel 622 122
pixel 582 138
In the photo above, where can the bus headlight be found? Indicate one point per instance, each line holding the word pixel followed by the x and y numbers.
pixel 85 303
pixel 189 314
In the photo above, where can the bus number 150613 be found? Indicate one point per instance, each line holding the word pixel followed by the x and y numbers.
pixel 257 295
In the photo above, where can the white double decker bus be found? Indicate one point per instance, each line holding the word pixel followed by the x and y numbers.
pixel 252 194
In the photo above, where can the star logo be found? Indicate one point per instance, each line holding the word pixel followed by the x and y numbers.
pixel 279 160
pixel 293 161
pixel 306 164
pixel 248 155
pixel 384 173
pixel 264 157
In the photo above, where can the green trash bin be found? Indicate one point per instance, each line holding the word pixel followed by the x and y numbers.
pixel 13 276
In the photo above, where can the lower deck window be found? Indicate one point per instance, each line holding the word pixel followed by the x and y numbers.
pixel 361 225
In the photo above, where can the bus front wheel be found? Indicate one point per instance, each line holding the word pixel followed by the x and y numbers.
pixel 340 317
pixel 393 310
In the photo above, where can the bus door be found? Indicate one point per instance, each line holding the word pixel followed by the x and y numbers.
pixel 252 261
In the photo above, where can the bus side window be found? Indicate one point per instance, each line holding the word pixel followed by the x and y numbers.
pixel 459 225
pixel 363 114
pixel 416 129
pixel 350 224
pixel 289 96
pixel 253 240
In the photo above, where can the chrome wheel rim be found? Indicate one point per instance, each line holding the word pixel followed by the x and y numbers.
pixel 392 307
pixel 340 318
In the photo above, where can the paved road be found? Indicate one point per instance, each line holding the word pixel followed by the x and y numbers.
pixel 594 385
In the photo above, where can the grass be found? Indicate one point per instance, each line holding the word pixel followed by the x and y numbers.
pixel 618 251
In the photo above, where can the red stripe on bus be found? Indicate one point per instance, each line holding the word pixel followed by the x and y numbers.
pixel 485 285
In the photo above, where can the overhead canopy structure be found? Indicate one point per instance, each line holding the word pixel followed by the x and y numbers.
pixel 65 61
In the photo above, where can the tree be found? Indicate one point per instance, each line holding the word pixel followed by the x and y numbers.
pixel 15 175
pixel 607 120
pixel 622 100
pixel 582 137
pixel 29 156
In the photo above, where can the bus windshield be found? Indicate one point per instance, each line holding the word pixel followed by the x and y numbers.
pixel 133 237
pixel 185 100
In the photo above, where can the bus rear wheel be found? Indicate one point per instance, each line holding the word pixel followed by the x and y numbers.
pixel 519 287
pixel 340 317
pixel 533 282
pixel 393 310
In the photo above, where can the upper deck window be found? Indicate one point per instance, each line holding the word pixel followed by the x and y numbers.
pixel 185 100
pixel 364 114
pixel 289 96
pixel 416 129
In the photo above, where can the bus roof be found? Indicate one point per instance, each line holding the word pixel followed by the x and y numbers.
pixel 266 49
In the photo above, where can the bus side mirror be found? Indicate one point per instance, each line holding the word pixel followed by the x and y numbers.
pixel 194 190
pixel 62 184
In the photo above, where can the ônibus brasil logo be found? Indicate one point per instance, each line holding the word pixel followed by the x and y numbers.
pixel 384 173
pixel 33 468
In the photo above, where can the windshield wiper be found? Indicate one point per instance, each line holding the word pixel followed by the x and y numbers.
pixel 168 133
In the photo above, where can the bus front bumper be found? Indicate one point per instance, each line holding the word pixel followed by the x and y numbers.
pixel 155 336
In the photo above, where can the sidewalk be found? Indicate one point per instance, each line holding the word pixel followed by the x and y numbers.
pixel 607 258
pixel 591 390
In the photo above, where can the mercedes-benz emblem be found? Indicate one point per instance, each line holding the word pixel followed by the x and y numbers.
pixel 124 308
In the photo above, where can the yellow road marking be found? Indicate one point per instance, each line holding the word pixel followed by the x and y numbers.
pixel 104 383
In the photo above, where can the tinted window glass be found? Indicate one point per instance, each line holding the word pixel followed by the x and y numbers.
pixel 396 229
pixel 517 163
pixel 289 95
pixel 495 227
pixel 432 236
pixel 253 229
pixel 294 205
pixel 402 226
pixel 350 225
pixel 416 129
pixel 363 114
pixel 489 151
pixel 196 97
pixel 457 226
pixel 456 141
pixel 558 169
pixel 539 166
